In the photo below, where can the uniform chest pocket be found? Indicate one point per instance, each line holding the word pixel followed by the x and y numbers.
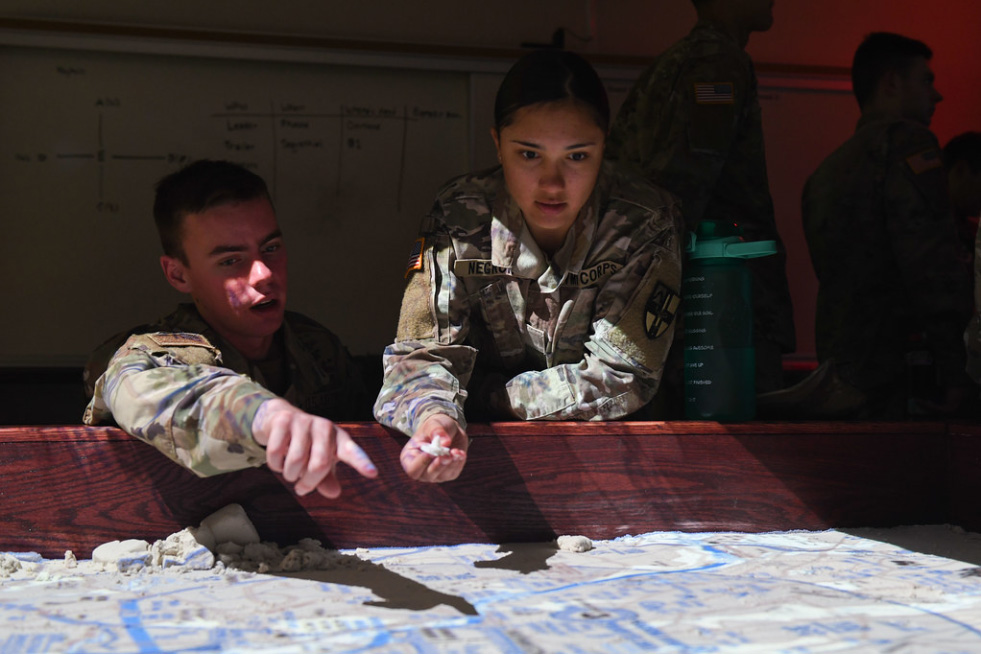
pixel 501 323
pixel 574 327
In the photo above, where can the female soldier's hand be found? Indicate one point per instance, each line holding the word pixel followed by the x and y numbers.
pixel 444 436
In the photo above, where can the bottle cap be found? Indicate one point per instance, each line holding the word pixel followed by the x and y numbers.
pixel 718 240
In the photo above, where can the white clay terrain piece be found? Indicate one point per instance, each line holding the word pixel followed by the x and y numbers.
pixel 574 543
pixel 434 448
pixel 229 524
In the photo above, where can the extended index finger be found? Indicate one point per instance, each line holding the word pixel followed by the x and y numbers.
pixel 350 453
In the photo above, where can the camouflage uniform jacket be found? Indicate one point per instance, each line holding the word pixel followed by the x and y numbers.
pixel 180 387
pixel 692 124
pixel 884 249
pixel 582 336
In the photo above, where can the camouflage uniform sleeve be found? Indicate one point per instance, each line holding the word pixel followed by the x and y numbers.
pixel 168 392
pixel 428 366
pixel 924 242
pixel 631 336
pixel 99 359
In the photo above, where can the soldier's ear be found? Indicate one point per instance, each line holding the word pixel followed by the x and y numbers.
pixel 892 83
pixel 497 142
pixel 174 271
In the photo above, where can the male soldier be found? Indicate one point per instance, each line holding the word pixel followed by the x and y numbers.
pixel 692 124
pixel 185 384
pixel 893 295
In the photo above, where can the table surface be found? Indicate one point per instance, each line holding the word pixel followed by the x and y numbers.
pixel 667 592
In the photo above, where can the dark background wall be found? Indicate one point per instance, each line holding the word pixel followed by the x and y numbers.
pixel 810 39
pixel 806 32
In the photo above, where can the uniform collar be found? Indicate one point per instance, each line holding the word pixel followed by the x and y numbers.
pixel 870 117
pixel 190 320
pixel 716 29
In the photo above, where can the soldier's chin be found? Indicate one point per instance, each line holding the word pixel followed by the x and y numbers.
pixel 267 317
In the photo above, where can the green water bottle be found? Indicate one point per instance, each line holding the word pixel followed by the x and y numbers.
pixel 717 298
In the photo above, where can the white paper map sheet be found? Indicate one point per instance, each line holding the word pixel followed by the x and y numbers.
pixel 796 592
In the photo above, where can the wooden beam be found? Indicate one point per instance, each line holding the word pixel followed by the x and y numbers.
pixel 963 477
pixel 77 487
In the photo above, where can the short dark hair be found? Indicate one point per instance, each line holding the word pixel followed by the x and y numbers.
pixel 544 76
pixel 882 53
pixel 197 187
pixel 964 147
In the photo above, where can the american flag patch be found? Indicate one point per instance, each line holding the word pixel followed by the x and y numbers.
pixel 415 257
pixel 713 93
pixel 924 161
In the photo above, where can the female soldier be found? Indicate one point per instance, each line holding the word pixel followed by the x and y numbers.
pixel 543 289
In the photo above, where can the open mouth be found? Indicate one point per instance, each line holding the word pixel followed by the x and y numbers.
pixel 551 207
pixel 265 306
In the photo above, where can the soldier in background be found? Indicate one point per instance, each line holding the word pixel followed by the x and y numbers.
pixel 543 289
pixel 692 124
pixel 894 297
pixel 185 384
pixel 962 161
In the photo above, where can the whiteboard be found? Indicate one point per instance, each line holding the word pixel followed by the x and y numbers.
pixel 353 156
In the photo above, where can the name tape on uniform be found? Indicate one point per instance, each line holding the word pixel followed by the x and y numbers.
pixel 576 278
pixel 592 275
pixel 179 339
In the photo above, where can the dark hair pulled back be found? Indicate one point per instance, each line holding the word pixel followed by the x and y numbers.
pixel 546 76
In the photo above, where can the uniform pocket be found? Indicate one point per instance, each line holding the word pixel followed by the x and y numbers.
pixel 573 327
pixel 501 324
